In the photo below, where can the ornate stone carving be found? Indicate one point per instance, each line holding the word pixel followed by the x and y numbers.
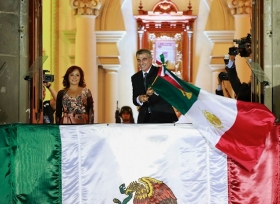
pixel 240 6
pixel 175 64
pixel 165 6
pixel 85 7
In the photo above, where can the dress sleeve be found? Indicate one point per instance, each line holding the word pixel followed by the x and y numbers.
pixel 90 105
pixel 59 106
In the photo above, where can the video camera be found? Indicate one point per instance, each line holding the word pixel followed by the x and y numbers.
pixel 223 76
pixel 243 48
pixel 47 77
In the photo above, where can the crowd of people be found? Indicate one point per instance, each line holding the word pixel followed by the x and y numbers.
pixel 74 103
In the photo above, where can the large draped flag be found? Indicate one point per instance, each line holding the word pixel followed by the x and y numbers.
pixel 237 128
pixel 128 164
pixel 106 164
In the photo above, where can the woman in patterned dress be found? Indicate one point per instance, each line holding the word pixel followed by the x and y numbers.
pixel 74 104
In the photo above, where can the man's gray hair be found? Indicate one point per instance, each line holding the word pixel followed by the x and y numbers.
pixel 144 51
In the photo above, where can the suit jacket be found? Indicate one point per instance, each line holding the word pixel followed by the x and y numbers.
pixel 242 90
pixel 161 111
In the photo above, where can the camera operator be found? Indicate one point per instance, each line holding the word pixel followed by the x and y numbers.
pixel 49 106
pixel 241 90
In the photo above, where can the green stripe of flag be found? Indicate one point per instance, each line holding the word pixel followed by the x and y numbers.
pixel 187 97
pixel 31 163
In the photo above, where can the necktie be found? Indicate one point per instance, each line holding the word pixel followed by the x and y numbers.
pixel 145 80
pixel 145 85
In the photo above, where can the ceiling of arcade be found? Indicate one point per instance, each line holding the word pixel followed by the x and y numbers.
pixel 110 17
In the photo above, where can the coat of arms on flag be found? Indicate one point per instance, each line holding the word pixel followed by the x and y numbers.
pixel 147 190
pixel 237 128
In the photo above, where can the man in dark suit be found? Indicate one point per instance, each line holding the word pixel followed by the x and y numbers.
pixel 152 108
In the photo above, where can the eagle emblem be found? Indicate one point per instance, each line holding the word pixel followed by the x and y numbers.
pixel 147 191
pixel 213 119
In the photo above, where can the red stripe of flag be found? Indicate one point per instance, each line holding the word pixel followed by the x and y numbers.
pixel 168 78
pixel 245 140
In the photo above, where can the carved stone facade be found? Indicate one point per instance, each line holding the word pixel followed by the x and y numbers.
pixel 86 7
pixel 240 6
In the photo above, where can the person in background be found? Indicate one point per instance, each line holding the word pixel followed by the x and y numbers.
pixel 74 103
pixel 49 106
pixel 242 90
pixel 126 115
pixel 153 108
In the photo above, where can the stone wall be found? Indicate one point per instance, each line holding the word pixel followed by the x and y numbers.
pixel 13 61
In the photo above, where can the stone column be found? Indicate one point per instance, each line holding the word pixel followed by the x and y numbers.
pixel 221 40
pixel 190 45
pixel 140 36
pixel 216 70
pixel 85 48
pixel 241 10
pixel 111 92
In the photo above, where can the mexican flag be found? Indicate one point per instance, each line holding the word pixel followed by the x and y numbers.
pixel 237 128
pixel 126 164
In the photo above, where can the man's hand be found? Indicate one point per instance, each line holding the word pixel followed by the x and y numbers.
pixel 150 91
pixel 143 98
pixel 47 84
pixel 232 57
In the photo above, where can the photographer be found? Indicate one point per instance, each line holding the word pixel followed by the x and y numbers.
pixel 241 90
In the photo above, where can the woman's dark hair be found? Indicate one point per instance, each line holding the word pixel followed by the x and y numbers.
pixel 66 82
